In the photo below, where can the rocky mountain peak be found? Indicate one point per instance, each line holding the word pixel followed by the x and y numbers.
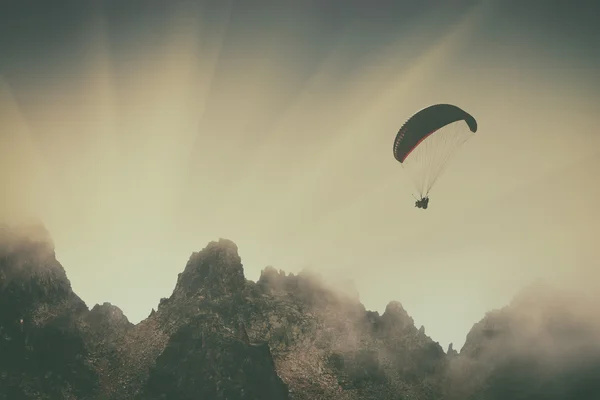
pixel 27 252
pixel 33 285
pixel 451 351
pixel 108 315
pixel 212 272
pixel 396 317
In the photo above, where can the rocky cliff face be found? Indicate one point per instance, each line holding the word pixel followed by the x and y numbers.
pixel 220 336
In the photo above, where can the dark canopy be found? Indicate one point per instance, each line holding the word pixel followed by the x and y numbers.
pixel 426 122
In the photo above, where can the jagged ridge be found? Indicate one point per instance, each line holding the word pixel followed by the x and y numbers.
pixel 283 337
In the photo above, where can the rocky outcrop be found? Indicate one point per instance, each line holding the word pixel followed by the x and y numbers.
pixel 451 352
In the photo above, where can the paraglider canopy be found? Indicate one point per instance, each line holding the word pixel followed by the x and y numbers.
pixel 425 123
pixel 428 139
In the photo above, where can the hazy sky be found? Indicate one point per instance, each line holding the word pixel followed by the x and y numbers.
pixel 138 134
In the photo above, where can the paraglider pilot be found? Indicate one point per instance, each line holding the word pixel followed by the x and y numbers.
pixel 423 203
pixel 429 122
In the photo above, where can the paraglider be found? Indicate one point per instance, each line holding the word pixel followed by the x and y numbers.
pixel 427 141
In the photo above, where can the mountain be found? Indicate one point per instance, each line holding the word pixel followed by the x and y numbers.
pixel 545 345
pixel 221 336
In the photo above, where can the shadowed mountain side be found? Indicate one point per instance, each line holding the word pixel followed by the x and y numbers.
pixel 290 336
pixel 42 345
pixel 215 365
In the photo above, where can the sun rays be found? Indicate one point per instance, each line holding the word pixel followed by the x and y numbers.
pixel 212 130
pixel 209 126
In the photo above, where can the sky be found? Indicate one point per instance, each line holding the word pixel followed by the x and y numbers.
pixel 139 133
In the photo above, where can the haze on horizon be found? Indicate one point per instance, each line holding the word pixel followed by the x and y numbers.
pixel 137 135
